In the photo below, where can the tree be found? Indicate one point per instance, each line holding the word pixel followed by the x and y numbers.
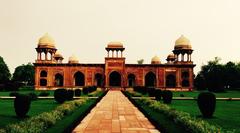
pixel 4 72
pixel 24 74
pixel 140 61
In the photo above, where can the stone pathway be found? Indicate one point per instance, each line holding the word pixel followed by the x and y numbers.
pixel 115 113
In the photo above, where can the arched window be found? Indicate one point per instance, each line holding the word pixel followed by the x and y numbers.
pixel 58 80
pixel 43 82
pixel 185 83
pixel 43 73
pixel 171 80
pixel 131 80
pixel 115 79
pixel 185 74
pixel 79 79
pixel 150 79
pixel 98 80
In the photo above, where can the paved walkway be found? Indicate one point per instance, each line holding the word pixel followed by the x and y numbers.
pixel 115 113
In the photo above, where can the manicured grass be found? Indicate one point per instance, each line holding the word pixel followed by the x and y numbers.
pixel 7 113
pixel 6 93
pixel 227 113
pixel 232 94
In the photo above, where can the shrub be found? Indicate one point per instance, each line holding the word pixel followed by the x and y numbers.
pixel 78 92
pixel 44 94
pixel 206 103
pixel 167 96
pixel 181 95
pixel 151 91
pixel 60 95
pixel 140 89
pixel 158 94
pixel 22 105
pixel 85 90
pixel 70 94
pixel 32 96
pixel 13 94
pixel 191 124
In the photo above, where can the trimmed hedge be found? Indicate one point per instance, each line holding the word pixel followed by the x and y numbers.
pixel 77 92
pixel 70 94
pixel 22 105
pixel 89 89
pixel 41 122
pixel 191 124
pixel 158 95
pixel 206 103
pixel 60 95
pixel 167 96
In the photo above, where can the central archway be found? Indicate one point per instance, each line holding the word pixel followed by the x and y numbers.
pixel 79 79
pixel 115 79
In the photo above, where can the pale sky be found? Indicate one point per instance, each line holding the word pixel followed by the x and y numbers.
pixel 146 28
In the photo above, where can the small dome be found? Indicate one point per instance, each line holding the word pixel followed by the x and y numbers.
pixel 182 43
pixel 58 55
pixel 73 59
pixel 46 42
pixel 171 56
pixel 155 60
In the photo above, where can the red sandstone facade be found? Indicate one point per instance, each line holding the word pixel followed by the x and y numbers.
pixel 51 73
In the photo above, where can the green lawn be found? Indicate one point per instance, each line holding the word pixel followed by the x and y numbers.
pixel 7 113
pixel 232 94
pixel 6 93
pixel 227 113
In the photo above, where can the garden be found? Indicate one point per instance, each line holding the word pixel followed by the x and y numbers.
pixel 171 114
pixel 61 110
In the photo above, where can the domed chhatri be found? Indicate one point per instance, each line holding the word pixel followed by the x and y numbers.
pixel 171 58
pixel 155 60
pixel 46 41
pixel 182 43
pixel 73 59
pixel 58 54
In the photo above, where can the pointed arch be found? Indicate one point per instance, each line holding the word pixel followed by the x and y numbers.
pixel 98 79
pixel 43 73
pixel 79 79
pixel 58 80
pixel 115 79
pixel 150 79
pixel 131 80
pixel 171 80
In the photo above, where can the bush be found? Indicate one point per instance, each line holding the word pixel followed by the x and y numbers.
pixel 206 103
pixel 167 96
pixel 140 89
pixel 85 90
pixel 44 94
pixel 78 92
pixel 181 95
pixel 13 94
pixel 158 94
pixel 32 96
pixel 70 94
pixel 22 105
pixel 60 95
pixel 151 91
pixel 89 89
pixel 191 124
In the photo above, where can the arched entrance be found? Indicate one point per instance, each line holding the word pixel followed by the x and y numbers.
pixel 150 79
pixel 58 80
pixel 98 80
pixel 171 80
pixel 131 80
pixel 79 79
pixel 115 79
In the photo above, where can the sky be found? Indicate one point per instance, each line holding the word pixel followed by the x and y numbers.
pixel 145 27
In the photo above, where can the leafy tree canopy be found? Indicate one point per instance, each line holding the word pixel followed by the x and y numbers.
pixel 24 74
pixel 4 72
